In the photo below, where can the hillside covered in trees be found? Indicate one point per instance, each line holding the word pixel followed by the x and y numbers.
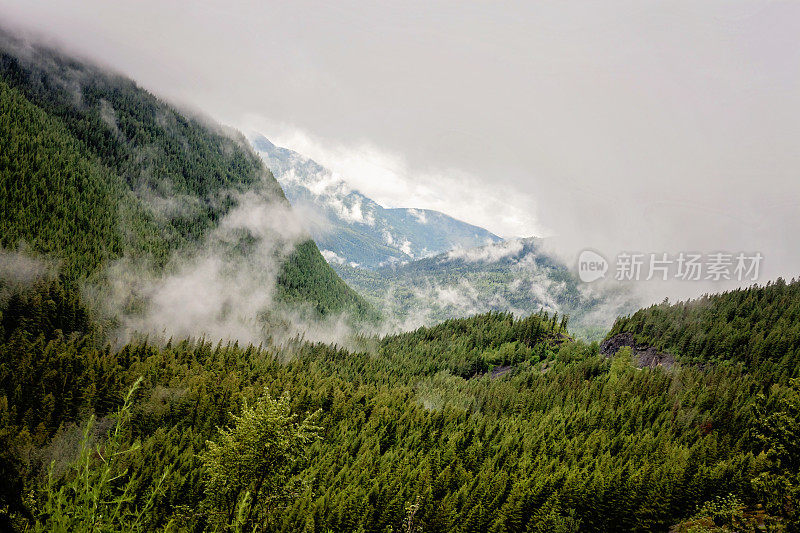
pixel 757 327
pixel 95 168
pixel 489 423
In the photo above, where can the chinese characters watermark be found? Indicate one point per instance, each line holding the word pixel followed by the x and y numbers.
pixel 684 266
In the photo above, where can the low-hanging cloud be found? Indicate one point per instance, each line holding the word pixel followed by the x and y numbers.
pixel 488 253
pixel 516 279
pixel 19 269
pixel 620 125
pixel 327 187
pixel 225 289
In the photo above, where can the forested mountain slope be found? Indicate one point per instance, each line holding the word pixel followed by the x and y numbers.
pixel 56 199
pixel 483 424
pixel 94 168
pixel 355 230
pixel 408 432
pixel 758 327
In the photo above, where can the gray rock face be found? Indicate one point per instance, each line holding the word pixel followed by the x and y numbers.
pixel 645 356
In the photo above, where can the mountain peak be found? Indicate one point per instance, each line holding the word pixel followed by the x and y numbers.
pixel 261 143
pixel 356 230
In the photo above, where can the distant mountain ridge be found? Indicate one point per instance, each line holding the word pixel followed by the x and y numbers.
pixel 420 267
pixel 517 275
pixel 351 228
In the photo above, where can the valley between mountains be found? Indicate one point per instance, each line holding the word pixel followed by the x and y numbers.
pixel 205 332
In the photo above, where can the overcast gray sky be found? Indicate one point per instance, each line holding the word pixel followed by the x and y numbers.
pixel 614 125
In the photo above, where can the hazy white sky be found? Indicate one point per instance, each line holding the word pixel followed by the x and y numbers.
pixel 615 125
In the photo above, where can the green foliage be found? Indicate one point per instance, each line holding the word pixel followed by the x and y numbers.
pixel 777 431
pixel 248 466
pixel 758 327
pixel 724 511
pixel 54 198
pixel 45 307
pixel 306 276
pixel 728 514
pixel 97 492
pixel 551 519
pixel 565 439
pixel 488 423
pixel 94 168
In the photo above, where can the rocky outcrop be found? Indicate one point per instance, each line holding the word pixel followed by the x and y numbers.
pixel 644 355
pixel 500 371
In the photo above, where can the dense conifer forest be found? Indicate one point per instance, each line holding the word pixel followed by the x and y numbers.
pixel 94 168
pixel 758 327
pixel 489 423
pixel 483 424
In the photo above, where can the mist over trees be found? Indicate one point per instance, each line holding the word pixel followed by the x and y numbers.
pixel 114 205
pixel 483 424
pixel 96 168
